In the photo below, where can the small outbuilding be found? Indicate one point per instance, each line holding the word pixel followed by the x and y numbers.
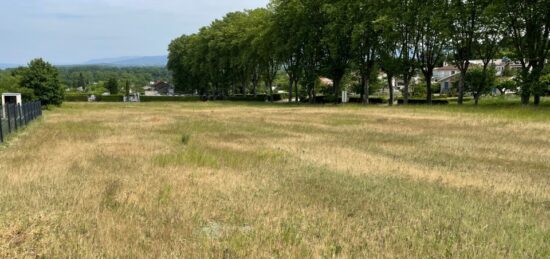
pixel 9 99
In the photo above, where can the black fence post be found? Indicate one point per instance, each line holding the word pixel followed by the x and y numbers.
pixel 32 111
pixel 2 124
pixel 20 115
pixel 27 114
pixel 24 112
pixel 16 117
pixel 8 117
pixel 18 111
pixel 14 110
pixel 15 122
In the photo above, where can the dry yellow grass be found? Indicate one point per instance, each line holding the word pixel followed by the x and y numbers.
pixel 116 180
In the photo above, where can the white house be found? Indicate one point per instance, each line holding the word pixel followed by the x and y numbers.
pixel 444 72
pixel 447 82
pixel 159 88
pixel 448 74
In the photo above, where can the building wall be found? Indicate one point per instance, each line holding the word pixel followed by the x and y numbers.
pixel 439 74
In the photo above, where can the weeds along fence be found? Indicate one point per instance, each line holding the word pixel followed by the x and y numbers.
pixel 16 116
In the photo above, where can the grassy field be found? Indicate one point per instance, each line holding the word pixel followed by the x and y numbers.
pixel 200 180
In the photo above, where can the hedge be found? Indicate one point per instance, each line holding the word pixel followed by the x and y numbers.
pixel 110 98
pixel 252 98
pixel 455 99
pixel 258 98
pixel 76 98
pixel 98 98
pixel 423 101
pixel 372 100
pixel 170 98
pixel 329 99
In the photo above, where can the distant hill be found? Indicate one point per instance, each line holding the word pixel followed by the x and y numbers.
pixel 4 66
pixel 154 61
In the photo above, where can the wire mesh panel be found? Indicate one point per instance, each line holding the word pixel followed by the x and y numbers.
pixel 17 116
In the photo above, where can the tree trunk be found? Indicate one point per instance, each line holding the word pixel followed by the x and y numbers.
pixel 476 98
pixel 296 89
pixel 461 87
pixel 255 85
pixel 311 93
pixel 428 80
pixel 406 90
pixel 525 96
pixel 390 88
pixel 243 90
pixel 537 100
pixel 337 93
pixel 366 86
pixel 270 85
pixel 362 91
pixel 290 84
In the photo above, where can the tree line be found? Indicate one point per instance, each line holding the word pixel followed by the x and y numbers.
pixel 85 76
pixel 76 79
pixel 244 52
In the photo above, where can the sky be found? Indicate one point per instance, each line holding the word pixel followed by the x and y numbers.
pixel 75 31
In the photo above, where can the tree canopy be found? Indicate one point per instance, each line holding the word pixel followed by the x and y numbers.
pixel 43 79
pixel 309 39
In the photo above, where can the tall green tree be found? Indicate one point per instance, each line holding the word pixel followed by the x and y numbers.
pixel 112 86
pixel 432 38
pixel 479 81
pixel 464 23
pixel 365 43
pixel 407 43
pixel 337 39
pixel 488 43
pixel 43 79
pixel 265 47
pixel 528 22
pixel 390 54
pixel 289 35
pixel 127 88
pixel 81 81
pixel 311 29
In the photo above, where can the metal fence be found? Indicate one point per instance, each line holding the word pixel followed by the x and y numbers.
pixel 17 116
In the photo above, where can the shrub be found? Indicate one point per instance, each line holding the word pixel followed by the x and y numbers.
pixel 185 138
